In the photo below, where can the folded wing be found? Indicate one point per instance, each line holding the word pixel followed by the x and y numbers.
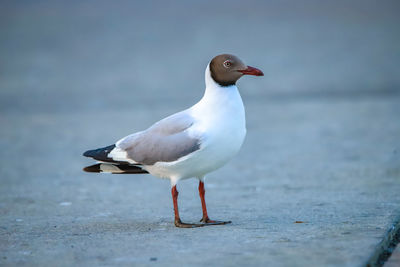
pixel 166 141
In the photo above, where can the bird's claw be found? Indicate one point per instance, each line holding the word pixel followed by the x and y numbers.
pixel 207 221
pixel 180 224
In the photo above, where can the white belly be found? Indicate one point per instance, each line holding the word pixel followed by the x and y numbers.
pixel 220 148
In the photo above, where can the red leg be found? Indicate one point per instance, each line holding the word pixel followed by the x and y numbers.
pixel 205 218
pixel 202 192
pixel 178 222
pixel 175 194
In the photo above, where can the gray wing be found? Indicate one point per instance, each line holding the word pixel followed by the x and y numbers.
pixel 166 141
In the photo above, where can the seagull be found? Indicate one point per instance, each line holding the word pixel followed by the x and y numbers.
pixel 190 143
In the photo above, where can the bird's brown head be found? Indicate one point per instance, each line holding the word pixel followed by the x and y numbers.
pixel 226 69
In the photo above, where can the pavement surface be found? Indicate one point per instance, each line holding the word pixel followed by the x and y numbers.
pixel 316 183
pixel 394 260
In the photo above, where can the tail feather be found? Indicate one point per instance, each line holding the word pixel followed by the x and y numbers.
pixel 115 168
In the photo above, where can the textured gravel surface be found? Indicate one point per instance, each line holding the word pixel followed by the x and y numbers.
pixel 394 260
pixel 316 183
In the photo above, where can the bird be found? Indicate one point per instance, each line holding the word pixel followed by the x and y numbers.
pixel 190 143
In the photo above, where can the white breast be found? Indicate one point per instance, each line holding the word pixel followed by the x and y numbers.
pixel 221 117
pixel 221 126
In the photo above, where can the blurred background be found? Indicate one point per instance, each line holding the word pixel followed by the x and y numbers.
pixel 70 55
pixel 322 144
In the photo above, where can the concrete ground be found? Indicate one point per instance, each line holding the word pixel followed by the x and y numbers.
pixel 394 260
pixel 316 183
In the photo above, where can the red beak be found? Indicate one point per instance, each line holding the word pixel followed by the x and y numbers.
pixel 252 71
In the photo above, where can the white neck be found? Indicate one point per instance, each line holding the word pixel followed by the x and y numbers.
pixel 218 98
pixel 216 92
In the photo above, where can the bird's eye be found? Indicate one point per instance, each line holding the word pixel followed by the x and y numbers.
pixel 227 63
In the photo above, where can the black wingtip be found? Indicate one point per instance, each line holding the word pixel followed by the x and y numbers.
pixel 100 153
pixel 87 153
pixel 92 168
pixel 119 169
